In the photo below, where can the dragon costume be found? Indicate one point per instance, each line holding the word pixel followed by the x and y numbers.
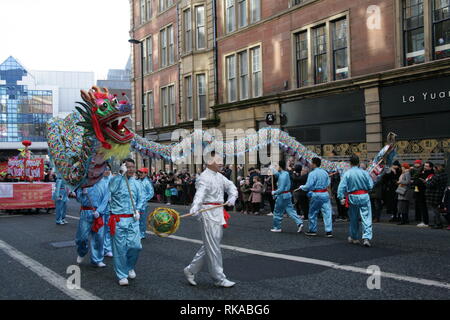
pixel 81 143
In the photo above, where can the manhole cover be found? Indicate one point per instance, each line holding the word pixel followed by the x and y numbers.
pixel 63 244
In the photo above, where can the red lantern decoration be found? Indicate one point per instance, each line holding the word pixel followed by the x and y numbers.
pixel 26 143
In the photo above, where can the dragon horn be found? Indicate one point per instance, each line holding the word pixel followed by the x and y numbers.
pixel 87 97
pixel 105 90
pixel 96 89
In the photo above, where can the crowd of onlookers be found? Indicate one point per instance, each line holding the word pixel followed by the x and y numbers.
pixel 422 186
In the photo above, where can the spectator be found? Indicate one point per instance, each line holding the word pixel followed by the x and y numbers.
pixel 246 191
pixel 389 187
pixel 436 185
pixel 303 195
pixel 404 194
pixel 342 210
pixel 267 194
pixel 376 196
pixel 418 173
pixel 256 195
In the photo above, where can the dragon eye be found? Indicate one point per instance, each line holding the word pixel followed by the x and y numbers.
pixel 115 101
pixel 104 105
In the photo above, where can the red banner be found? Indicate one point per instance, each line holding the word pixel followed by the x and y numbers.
pixel 3 167
pixel 26 195
pixel 26 169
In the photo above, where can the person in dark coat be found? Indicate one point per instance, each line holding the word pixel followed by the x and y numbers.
pixel 436 185
pixel 420 200
pixel 389 187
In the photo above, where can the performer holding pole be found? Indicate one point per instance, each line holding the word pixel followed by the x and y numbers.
pixel 147 194
pixel 284 200
pixel 126 198
pixel 60 196
pixel 94 201
pixel 353 191
pixel 211 186
pixel 317 183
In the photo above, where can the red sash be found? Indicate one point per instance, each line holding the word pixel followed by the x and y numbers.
pixel 320 190
pixel 226 215
pixel 347 203
pixel 113 219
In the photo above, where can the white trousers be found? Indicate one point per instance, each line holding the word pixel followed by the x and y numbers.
pixel 209 251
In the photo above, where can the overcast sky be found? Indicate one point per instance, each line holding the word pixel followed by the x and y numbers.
pixel 66 35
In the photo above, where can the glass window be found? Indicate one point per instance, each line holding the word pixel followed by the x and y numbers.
pixel 163 35
pixel 200 27
pixel 413 29
pixel 162 5
pixel 171 45
pixel 243 75
pixel 149 9
pixel 242 13
pixel 172 110
pixel 340 49
pixel 164 106
pixel 320 55
pixel 231 76
pixel 151 110
pixel 230 16
pixel 187 31
pixel 201 96
pixel 144 57
pixel 301 42
pixel 255 10
pixel 149 51
pixel 256 72
pixel 142 12
pixel 296 2
pixel 188 93
pixel 441 28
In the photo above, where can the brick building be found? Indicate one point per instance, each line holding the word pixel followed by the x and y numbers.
pixel 344 73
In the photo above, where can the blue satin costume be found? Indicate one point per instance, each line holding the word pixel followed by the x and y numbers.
pixel 97 197
pixel 318 179
pixel 60 196
pixel 357 179
pixel 126 242
pixel 284 200
pixel 147 194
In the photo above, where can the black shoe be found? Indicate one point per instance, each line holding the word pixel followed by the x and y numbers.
pixel 329 235
pixel 309 233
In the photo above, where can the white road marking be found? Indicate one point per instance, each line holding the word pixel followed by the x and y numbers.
pixel 46 274
pixel 322 263
pixel 12 216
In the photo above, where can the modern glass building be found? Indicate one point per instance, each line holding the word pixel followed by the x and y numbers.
pixel 24 110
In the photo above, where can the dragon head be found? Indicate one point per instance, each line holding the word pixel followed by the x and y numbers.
pixel 106 116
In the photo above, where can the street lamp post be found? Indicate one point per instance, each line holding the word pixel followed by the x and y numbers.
pixel 134 41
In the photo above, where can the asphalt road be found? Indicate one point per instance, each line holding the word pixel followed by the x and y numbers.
pixel 414 263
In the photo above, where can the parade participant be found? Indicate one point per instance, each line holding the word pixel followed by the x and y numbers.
pixel 94 201
pixel 283 199
pixel 126 198
pixel 353 191
pixel 60 198
pixel 147 194
pixel 107 236
pixel 317 183
pixel 211 186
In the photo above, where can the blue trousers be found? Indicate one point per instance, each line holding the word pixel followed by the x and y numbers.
pixel 281 206
pixel 126 246
pixel 360 207
pixel 107 236
pixel 143 223
pixel 84 234
pixel 320 202
pixel 61 208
